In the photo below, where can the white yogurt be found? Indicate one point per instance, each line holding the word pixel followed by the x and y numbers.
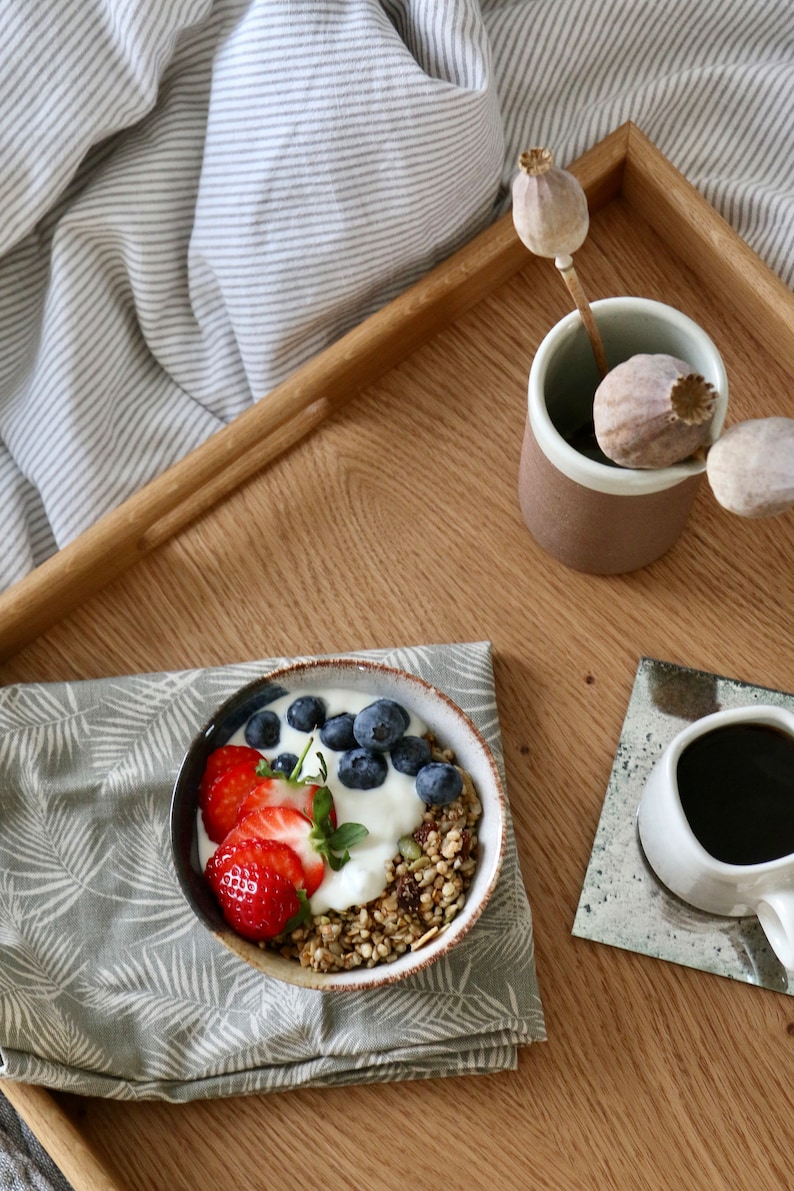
pixel 388 812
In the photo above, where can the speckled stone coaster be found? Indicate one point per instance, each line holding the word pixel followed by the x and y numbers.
pixel 623 903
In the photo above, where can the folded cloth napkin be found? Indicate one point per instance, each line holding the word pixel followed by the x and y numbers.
pixel 109 986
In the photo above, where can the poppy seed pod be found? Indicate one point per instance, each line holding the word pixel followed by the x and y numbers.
pixel 751 467
pixel 652 411
pixel 549 206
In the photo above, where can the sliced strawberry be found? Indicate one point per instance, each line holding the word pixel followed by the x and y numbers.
pixel 270 853
pixel 222 799
pixel 224 758
pixel 256 901
pixel 273 791
pixel 288 825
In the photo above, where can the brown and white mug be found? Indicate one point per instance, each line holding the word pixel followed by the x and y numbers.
pixel 588 513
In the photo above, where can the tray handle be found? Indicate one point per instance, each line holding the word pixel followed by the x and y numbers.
pixel 59 1137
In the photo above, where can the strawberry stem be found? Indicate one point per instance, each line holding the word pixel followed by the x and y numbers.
pixel 293 777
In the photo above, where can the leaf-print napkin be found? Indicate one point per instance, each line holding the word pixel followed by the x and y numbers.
pixel 109 986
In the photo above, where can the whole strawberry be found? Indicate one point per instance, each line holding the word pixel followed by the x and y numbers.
pixel 256 901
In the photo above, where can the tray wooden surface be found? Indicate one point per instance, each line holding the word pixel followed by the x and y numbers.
pixel 372 502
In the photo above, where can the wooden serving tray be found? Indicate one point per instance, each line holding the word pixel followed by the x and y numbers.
pixel 371 501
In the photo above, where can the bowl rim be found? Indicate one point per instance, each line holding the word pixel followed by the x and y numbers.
pixel 268 961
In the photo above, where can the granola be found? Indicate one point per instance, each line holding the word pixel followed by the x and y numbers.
pixel 427 881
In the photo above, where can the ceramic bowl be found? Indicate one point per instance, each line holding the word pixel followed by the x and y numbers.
pixel 441 716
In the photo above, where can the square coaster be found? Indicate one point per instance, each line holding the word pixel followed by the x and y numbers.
pixel 623 903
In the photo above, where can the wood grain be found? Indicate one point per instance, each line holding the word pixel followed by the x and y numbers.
pixel 397 522
pixel 756 297
pixel 269 428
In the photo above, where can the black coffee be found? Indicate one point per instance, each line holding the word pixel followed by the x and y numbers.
pixel 585 442
pixel 736 786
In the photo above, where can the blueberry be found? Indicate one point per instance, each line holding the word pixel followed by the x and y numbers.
pixel 263 730
pixel 306 713
pixel 359 769
pixel 438 783
pixel 405 714
pixel 337 733
pixel 380 725
pixel 285 763
pixel 410 754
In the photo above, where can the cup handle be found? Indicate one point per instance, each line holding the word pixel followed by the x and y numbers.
pixel 776 914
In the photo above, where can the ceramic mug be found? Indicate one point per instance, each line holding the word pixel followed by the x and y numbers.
pixel 698 830
pixel 586 512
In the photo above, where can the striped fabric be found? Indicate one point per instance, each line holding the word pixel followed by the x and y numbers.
pixel 196 196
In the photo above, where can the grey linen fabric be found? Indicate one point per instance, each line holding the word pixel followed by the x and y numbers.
pixel 109 986
pixel 24 1165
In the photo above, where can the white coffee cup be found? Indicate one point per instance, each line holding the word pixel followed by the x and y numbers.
pixel 691 872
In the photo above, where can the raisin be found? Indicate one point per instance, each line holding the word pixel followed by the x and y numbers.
pixel 465 844
pixel 408 893
pixel 423 831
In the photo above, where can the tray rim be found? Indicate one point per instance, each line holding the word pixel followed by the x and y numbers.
pixel 625 163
